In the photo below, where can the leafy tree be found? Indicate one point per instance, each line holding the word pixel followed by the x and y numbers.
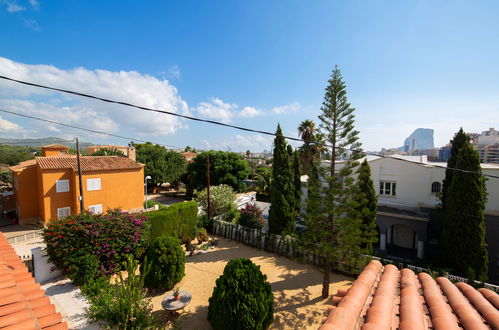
pixel 340 236
pixel 463 243
pixel 108 152
pixel 160 164
pixel 263 183
pixel 225 168
pixel 222 199
pixel 282 199
pixel 13 155
pixel 242 298
pixel 457 143
pixel 367 205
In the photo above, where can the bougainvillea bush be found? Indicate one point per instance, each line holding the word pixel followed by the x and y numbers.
pixel 86 246
pixel 251 217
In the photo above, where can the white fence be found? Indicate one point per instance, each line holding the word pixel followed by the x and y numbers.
pixel 287 246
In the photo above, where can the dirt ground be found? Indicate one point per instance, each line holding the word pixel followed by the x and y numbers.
pixel 296 286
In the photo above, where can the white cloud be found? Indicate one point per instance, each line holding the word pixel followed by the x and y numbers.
pixel 253 142
pixel 8 126
pixel 128 86
pixel 12 6
pixel 250 112
pixel 217 109
pixel 287 108
pixel 34 4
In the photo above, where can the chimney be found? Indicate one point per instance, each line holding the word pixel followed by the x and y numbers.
pixel 131 152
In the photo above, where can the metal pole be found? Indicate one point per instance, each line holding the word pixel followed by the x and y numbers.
pixel 208 185
pixel 145 186
pixel 82 208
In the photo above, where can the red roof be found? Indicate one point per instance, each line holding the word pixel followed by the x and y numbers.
pixel 55 146
pixel 88 163
pixel 386 298
pixel 23 304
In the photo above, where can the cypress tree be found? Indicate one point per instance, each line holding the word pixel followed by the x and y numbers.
pixel 297 180
pixel 367 206
pixel 463 243
pixel 457 143
pixel 340 237
pixel 282 199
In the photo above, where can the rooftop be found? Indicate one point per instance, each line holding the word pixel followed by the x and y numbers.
pixel 88 163
pixel 23 304
pixel 55 146
pixel 383 297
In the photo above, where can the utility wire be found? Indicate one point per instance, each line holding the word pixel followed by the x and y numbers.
pixel 221 124
pixel 82 128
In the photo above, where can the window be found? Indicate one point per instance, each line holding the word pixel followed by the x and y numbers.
pixel 436 187
pixel 95 209
pixel 62 186
pixel 93 184
pixel 63 212
pixel 15 184
pixel 387 188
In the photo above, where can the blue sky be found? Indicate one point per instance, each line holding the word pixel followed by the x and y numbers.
pixel 407 64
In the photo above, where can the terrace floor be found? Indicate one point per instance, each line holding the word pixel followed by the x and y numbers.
pixel 296 286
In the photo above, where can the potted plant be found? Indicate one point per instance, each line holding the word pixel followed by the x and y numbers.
pixel 176 293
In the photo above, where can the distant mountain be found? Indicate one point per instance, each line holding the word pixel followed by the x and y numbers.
pixel 39 142
pixel 421 138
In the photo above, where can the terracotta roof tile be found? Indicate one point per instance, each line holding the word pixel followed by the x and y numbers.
pixel 23 304
pixel 386 298
pixel 55 146
pixel 88 163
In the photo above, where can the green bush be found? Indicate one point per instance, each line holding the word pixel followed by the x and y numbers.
pixel 251 217
pixel 242 298
pixel 123 305
pixel 166 260
pixel 84 269
pixel 178 220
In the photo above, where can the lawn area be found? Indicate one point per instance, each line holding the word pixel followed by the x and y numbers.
pixel 296 286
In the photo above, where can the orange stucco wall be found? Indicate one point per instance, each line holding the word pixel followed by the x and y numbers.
pixel 123 189
pixel 47 152
pixel 51 200
pixel 26 193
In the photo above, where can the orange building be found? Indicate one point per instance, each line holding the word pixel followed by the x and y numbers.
pixel 48 187
pixel 124 150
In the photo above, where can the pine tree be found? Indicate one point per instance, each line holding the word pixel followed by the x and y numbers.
pixel 463 243
pixel 297 180
pixel 282 209
pixel 340 236
pixel 457 143
pixel 367 206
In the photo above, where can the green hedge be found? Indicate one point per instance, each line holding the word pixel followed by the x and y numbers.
pixel 178 220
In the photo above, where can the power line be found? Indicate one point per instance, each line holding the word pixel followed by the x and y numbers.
pixel 221 124
pixel 83 129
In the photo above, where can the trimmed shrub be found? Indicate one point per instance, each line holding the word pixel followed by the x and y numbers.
pixel 86 246
pixel 251 217
pixel 178 220
pixel 166 260
pixel 242 298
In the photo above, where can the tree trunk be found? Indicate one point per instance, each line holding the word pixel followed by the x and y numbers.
pixel 325 282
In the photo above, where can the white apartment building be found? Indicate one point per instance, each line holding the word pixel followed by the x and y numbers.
pixel 407 188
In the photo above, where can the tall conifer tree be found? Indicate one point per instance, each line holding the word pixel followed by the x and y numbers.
pixel 457 143
pixel 463 245
pixel 339 237
pixel 282 209
pixel 297 180
pixel 367 206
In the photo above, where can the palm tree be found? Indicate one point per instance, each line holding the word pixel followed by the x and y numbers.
pixel 306 130
pixel 310 148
